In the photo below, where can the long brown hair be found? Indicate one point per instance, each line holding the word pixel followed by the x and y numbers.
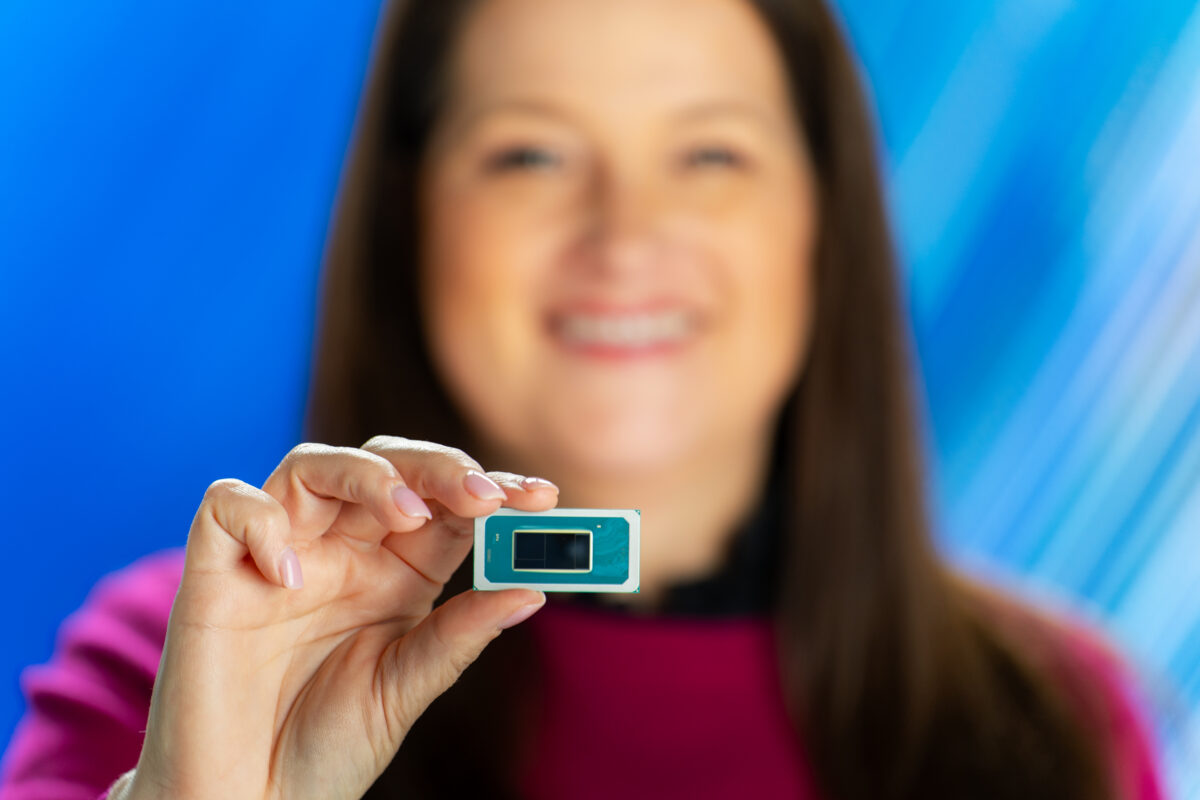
pixel 903 679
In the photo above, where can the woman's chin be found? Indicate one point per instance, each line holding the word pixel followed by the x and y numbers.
pixel 622 456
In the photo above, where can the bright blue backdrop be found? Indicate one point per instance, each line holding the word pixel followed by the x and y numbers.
pixel 167 170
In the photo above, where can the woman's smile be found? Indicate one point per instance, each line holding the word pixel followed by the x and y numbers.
pixel 656 329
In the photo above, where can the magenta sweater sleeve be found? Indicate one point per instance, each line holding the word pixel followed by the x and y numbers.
pixel 86 710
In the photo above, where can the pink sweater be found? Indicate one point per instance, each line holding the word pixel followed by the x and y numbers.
pixel 87 708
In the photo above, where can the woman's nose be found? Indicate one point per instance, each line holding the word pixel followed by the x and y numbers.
pixel 625 231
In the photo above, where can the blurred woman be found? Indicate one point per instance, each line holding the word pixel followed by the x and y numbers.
pixel 636 248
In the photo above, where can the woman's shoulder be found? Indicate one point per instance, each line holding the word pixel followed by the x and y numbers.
pixel 122 622
pixel 86 708
pixel 1096 677
pixel 1124 711
pixel 125 615
pixel 143 590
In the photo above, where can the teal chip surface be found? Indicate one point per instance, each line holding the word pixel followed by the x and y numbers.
pixel 561 550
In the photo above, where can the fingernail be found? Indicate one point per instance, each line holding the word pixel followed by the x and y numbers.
pixel 523 613
pixel 483 487
pixel 289 568
pixel 537 483
pixel 410 503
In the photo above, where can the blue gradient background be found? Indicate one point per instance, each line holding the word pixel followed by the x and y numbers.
pixel 167 171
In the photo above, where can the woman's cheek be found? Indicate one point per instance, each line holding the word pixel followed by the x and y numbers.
pixel 774 254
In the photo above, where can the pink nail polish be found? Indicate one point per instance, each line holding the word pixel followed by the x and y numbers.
pixel 530 484
pixel 523 613
pixel 289 568
pixel 410 503
pixel 483 487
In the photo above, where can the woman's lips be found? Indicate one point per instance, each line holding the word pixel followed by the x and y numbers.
pixel 625 333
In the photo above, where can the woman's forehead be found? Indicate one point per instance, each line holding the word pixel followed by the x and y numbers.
pixel 615 56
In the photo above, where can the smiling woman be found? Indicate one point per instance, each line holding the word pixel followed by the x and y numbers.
pixel 628 313
pixel 637 247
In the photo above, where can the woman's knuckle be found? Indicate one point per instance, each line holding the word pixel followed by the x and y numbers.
pixel 381 442
pixel 352 487
pixel 464 655
pixel 274 513
pixel 260 528
pixel 220 490
pixel 453 454
pixel 375 461
pixel 304 450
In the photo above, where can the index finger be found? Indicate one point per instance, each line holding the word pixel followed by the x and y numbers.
pixel 442 473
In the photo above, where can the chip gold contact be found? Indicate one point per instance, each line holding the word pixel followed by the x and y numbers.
pixel 561 550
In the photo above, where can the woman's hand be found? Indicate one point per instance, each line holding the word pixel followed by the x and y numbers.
pixel 266 691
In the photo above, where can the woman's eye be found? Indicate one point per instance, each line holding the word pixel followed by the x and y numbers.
pixel 522 158
pixel 713 156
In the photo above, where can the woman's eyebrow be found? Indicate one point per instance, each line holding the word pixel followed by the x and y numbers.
pixel 519 106
pixel 728 107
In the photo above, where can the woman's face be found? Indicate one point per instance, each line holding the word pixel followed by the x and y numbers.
pixel 619 217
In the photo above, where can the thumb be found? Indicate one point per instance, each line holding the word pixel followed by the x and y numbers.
pixel 427 660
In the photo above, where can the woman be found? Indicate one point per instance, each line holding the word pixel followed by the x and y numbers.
pixel 637 248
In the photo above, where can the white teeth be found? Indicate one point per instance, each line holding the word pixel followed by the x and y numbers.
pixel 634 330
